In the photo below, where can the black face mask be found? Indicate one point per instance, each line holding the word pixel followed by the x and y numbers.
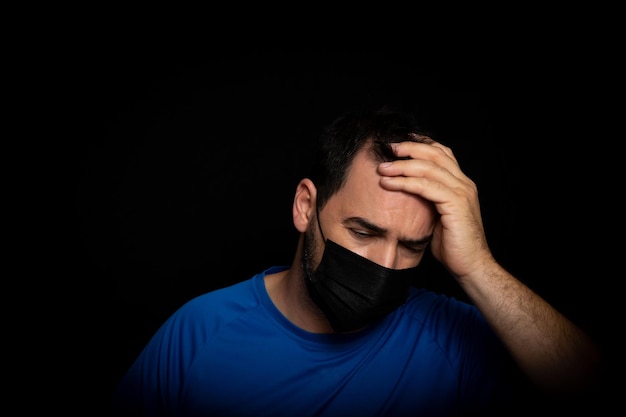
pixel 353 291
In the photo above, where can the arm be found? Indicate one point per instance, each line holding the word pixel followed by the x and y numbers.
pixel 554 353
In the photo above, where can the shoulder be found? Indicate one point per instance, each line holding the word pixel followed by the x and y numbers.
pixel 219 302
pixel 458 329
pixel 200 319
pixel 421 299
pixel 440 312
pixel 213 309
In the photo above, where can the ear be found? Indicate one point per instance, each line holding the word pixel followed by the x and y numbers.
pixel 304 204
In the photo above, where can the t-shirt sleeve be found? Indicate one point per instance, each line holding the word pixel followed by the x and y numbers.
pixel 488 376
pixel 153 385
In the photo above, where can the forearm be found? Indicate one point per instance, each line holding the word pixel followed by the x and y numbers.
pixel 552 351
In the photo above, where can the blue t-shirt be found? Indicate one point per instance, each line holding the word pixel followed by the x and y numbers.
pixel 230 352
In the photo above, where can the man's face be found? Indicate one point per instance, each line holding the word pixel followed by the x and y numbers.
pixel 390 228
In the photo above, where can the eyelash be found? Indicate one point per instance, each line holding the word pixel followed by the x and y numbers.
pixel 414 250
pixel 361 234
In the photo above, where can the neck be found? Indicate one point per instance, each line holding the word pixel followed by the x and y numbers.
pixel 289 293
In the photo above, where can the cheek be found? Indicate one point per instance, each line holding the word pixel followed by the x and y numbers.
pixel 313 246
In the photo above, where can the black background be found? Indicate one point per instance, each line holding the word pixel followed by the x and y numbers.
pixel 180 165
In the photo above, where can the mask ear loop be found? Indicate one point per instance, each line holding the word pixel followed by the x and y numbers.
pixel 319 225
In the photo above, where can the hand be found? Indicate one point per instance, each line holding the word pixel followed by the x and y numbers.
pixel 552 351
pixel 433 173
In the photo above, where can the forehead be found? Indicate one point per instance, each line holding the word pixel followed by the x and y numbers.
pixel 362 196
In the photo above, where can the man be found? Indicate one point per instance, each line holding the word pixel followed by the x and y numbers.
pixel 342 332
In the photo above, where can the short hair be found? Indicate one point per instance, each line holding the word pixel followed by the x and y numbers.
pixel 340 141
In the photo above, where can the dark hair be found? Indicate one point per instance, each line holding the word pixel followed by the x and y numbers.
pixel 345 136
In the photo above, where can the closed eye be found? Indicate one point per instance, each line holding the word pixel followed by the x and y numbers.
pixel 415 249
pixel 362 234
pixel 360 228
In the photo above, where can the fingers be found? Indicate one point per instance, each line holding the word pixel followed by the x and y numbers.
pixel 432 172
pixel 432 150
pixel 433 161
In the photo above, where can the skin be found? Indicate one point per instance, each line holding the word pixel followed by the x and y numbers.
pixel 402 198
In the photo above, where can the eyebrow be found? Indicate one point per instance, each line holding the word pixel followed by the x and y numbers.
pixel 381 230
